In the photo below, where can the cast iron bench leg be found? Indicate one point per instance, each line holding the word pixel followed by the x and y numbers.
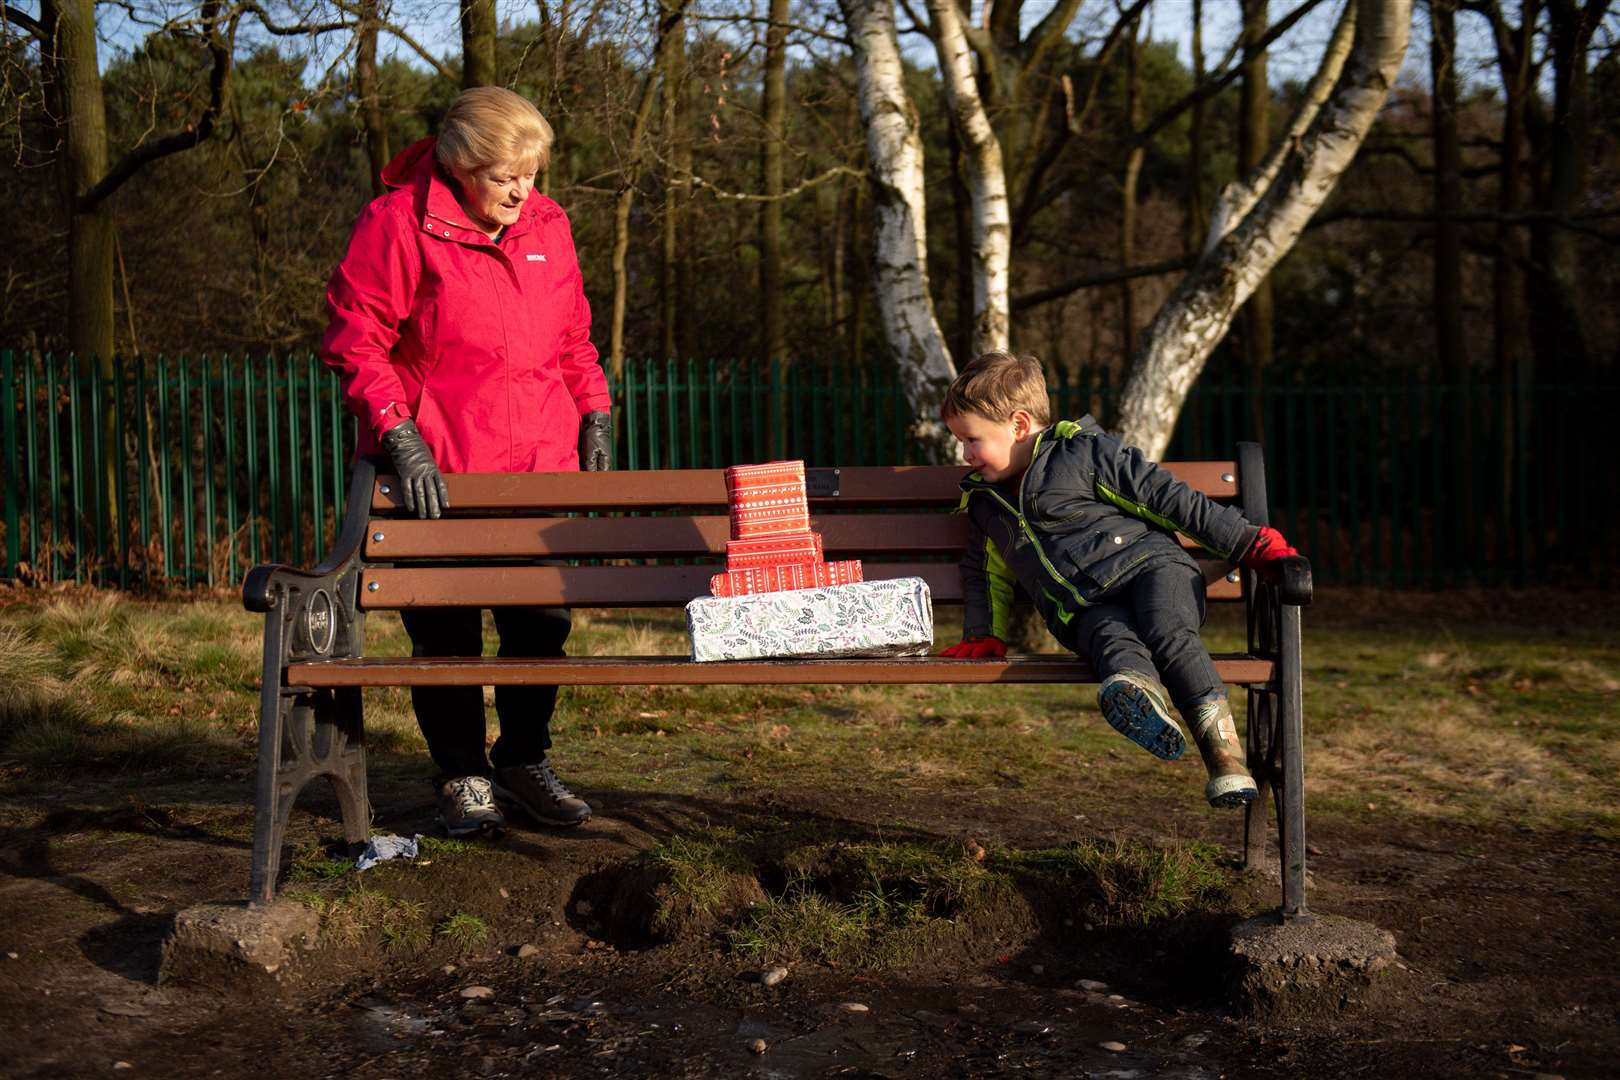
pixel 303 734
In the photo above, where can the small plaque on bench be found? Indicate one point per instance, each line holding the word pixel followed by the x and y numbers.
pixel 821 483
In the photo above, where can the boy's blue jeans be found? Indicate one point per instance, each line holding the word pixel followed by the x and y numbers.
pixel 1150 625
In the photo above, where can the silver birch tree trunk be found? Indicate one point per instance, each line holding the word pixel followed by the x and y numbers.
pixel 987 179
pixel 899 257
pixel 1258 221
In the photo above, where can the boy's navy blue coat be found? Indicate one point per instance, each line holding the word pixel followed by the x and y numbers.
pixel 1087 516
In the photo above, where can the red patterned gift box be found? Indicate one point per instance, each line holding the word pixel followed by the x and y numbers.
pixel 800 547
pixel 782 578
pixel 767 500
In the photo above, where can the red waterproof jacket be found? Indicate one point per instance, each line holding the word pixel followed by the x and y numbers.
pixel 486 345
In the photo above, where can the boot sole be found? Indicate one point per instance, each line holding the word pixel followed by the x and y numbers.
pixel 1229 792
pixel 506 796
pixel 1131 711
pixel 486 830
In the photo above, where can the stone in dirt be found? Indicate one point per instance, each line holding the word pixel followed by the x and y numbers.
pixel 1112 1047
pixel 1093 985
pixel 853 1007
pixel 1280 968
pixel 477 993
pixel 217 944
pixel 526 951
pixel 773 976
pixel 758 1046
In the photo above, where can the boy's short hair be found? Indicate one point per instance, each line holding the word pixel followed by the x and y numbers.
pixel 995 384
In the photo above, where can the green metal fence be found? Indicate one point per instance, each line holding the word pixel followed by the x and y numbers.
pixel 185 472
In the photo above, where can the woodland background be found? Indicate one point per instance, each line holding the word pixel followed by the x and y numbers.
pixel 1473 231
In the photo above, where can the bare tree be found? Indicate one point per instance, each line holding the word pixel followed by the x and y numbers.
pixel 771 168
pixel 365 85
pixel 1254 140
pixel 478 28
pixel 669 22
pixel 899 259
pixel 1448 330
pixel 986 178
pixel 1259 218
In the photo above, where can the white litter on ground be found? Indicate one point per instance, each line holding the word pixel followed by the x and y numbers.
pixel 382 848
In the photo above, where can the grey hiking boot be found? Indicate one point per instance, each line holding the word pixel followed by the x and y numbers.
pixel 537 790
pixel 1229 781
pixel 467 808
pixel 1137 707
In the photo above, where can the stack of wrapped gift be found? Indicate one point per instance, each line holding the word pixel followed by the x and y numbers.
pixel 779 597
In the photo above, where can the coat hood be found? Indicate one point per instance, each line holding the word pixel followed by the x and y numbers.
pixel 410 164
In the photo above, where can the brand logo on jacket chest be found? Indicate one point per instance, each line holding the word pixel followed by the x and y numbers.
pixel 535 258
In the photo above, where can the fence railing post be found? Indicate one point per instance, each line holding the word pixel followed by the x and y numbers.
pixel 13 475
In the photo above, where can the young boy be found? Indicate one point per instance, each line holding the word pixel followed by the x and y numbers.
pixel 1086 525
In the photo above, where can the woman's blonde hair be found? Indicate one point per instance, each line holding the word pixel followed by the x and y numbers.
pixel 489 125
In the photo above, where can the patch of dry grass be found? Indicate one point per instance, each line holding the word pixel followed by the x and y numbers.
pixel 1410 709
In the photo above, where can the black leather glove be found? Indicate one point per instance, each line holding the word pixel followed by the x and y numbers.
pixel 420 482
pixel 596 442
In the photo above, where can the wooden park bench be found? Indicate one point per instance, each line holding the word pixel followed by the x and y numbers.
pixel 486 553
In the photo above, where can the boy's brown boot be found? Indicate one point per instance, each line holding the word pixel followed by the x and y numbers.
pixel 1216 734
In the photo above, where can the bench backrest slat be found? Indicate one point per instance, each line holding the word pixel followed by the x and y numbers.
pixel 624 586
pixel 883 487
pixel 843 536
pixel 647 537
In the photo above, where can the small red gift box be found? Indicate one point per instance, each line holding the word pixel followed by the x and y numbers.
pixel 783 578
pixel 767 500
pixel 798 547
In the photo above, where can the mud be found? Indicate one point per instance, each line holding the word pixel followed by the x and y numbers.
pixel 1507 962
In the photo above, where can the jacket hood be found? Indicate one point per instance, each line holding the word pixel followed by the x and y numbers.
pixel 410 163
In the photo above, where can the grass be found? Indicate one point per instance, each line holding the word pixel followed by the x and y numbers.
pixel 464 931
pixel 1455 708
pixel 351 913
pixel 876 903
pixel 1121 883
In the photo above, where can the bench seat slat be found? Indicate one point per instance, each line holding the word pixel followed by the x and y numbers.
pixel 622 586
pixel 674 670
pixel 896 487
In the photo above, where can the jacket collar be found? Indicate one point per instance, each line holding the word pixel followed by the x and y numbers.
pixel 975 481
pixel 434 198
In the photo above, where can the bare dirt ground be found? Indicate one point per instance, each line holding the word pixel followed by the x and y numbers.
pixel 1506 926
pixel 1507 945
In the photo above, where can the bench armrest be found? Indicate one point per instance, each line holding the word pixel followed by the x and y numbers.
pixel 258 588
pixel 1296 588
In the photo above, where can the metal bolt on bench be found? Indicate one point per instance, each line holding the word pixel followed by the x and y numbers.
pixel 488 552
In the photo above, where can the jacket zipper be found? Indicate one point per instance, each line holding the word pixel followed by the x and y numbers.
pixel 1023 524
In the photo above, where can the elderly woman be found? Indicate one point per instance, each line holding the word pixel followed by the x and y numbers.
pixel 461 333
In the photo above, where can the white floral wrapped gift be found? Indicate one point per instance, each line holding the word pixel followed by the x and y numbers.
pixel 869 618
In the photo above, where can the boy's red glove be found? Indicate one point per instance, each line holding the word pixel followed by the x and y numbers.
pixel 1263 555
pixel 988 647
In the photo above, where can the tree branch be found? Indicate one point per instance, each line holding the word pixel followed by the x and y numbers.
pixel 746 196
pixel 1221 81
pixel 294 29
pixel 349 8
pixel 222 48
pixel 1466 217
pixel 1107 277
pixel 793 27
pixel 26 21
